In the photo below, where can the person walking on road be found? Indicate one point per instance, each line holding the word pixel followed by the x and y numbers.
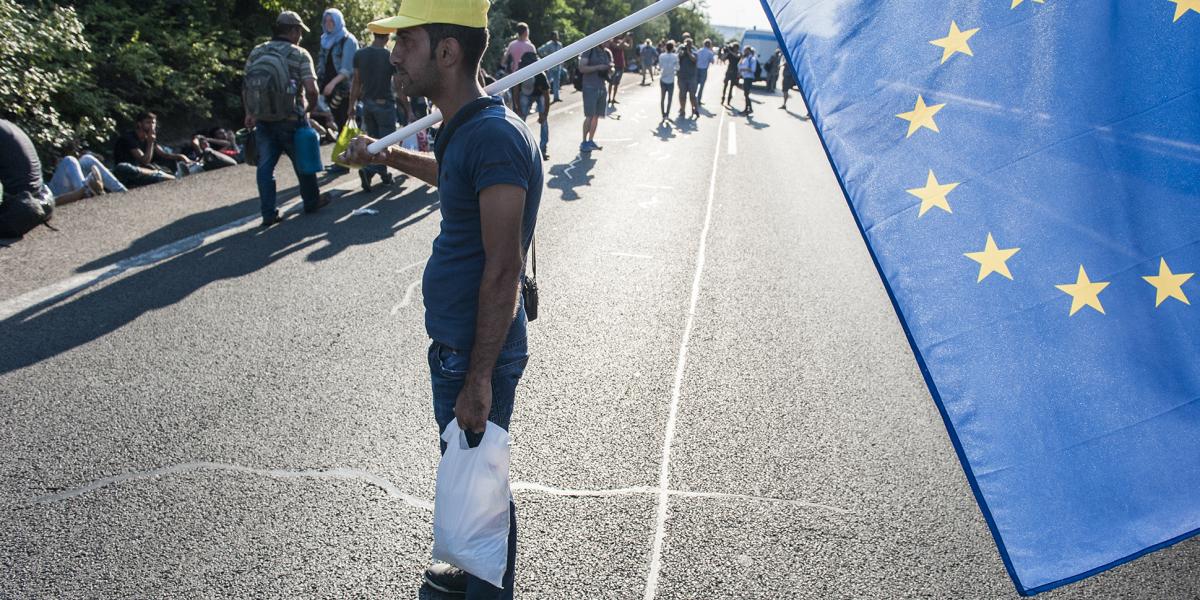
pixel 595 65
pixel 668 61
pixel 276 109
pixel 704 58
pixel 335 67
pixel 517 48
pixel 373 85
pixel 489 177
pixel 647 58
pixel 789 82
pixel 730 55
pixel 746 68
pixel 688 73
pixel 554 74
pixel 617 48
pixel 535 92
pixel 773 65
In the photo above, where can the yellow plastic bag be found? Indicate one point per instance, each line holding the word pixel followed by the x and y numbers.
pixel 349 132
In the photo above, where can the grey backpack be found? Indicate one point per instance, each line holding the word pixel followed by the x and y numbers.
pixel 267 90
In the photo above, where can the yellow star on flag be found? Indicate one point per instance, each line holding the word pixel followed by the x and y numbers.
pixel 1084 292
pixel 992 259
pixel 956 41
pixel 1182 6
pixel 921 116
pixel 1168 284
pixel 1017 3
pixel 933 194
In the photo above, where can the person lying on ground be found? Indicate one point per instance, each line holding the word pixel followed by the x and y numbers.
pixel 203 151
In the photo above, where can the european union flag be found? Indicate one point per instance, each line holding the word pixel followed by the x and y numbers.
pixel 1026 174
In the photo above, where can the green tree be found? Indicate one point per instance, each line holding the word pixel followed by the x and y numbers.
pixel 45 82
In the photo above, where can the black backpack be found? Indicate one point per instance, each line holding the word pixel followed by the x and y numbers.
pixel 21 213
pixel 266 86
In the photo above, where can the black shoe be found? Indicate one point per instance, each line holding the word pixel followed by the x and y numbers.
pixel 545 155
pixel 322 201
pixel 271 220
pixel 337 170
pixel 446 578
pixel 386 178
pixel 365 177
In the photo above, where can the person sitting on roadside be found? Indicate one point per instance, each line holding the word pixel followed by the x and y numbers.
pixel 25 201
pixel 140 159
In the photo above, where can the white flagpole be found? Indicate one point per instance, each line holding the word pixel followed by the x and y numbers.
pixel 566 53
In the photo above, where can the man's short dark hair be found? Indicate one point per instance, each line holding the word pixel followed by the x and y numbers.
pixel 472 40
pixel 142 116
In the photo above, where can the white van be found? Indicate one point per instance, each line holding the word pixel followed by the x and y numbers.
pixel 764 44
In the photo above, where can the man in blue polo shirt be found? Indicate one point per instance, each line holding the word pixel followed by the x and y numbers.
pixel 488 171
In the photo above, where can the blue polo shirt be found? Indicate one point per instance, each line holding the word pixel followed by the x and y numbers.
pixel 491 147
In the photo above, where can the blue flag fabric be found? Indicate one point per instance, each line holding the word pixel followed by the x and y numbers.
pixel 1026 174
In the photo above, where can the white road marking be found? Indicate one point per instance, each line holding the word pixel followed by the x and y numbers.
pixel 72 285
pixel 626 254
pixel 571 166
pixel 664 475
pixel 407 267
pixel 732 138
pixel 189 467
pixel 408 293
pixel 388 487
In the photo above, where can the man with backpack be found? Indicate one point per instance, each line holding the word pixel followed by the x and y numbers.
pixel 280 89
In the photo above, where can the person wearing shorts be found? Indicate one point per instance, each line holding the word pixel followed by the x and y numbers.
pixel 617 49
pixel 595 64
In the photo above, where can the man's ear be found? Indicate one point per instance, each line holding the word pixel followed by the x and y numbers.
pixel 448 53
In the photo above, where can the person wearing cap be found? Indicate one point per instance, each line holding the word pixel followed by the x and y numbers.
pixel 274 138
pixel 488 172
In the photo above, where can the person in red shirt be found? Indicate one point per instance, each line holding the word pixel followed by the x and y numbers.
pixel 617 46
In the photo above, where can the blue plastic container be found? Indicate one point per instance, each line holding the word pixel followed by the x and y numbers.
pixel 308 150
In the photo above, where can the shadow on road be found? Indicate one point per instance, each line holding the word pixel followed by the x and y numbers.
pixel 566 177
pixel 61 324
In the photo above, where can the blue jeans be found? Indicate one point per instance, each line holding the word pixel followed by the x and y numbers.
pixel 702 76
pixel 555 75
pixel 448 371
pixel 528 102
pixel 379 119
pixel 275 138
pixel 70 173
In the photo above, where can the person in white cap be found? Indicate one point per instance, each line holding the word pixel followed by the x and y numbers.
pixel 488 172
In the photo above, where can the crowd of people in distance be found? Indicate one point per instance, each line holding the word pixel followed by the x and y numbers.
pixel 356 85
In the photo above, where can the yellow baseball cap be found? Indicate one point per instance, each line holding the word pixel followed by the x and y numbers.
pixel 468 13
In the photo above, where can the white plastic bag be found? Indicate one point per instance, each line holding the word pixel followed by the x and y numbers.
pixel 471 504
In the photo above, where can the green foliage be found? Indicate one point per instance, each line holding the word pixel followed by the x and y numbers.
pixel 45 86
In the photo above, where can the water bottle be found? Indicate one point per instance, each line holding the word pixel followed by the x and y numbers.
pixel 308 150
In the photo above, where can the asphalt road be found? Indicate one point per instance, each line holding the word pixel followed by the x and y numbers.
pixel 246 413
